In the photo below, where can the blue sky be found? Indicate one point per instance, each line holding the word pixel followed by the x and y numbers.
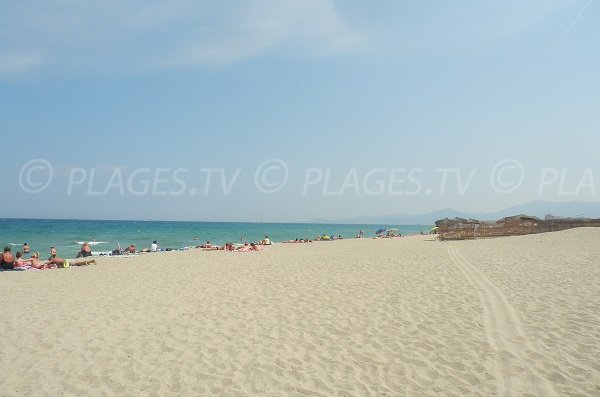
pixel 341 87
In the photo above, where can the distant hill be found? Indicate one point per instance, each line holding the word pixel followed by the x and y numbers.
pixel 534 208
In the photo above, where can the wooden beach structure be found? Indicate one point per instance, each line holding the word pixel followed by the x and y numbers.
pixel 470 229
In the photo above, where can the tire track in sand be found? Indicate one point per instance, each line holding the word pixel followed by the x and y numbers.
pixel 504 332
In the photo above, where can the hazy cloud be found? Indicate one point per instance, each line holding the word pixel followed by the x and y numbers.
pixel 127 36
pixel 15 63
pixel 310 28
pixel 123 37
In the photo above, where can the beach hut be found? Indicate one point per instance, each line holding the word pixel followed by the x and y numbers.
pixel 521 224
pixel 458 228
pixel 461 229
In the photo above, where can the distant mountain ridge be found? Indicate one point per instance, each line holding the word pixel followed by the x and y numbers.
pixel 535 208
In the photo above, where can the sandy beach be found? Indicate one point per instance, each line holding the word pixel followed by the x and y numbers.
pixel 408 316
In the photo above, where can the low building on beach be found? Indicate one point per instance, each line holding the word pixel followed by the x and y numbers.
pixel 469 229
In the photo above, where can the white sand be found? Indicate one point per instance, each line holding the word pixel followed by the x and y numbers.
pixel 511 316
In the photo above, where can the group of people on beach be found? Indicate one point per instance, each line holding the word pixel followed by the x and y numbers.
pixel 246 247
pixel 208 246
pixel 132 249
pixel 231 247
pixel 25 259
pixel 20 261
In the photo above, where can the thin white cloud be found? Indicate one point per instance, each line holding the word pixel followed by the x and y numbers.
pixel 124 36
pixel 573 22
pixel 15 63
pixel 119 37
pixel 305 28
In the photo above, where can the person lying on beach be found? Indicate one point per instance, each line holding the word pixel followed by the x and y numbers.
pixel 301 240
pixel 207 245
pixel 254 247
pixel 131 249
pixel 243 248
pixel 249 247
pixel 86 251
pixel 214 248
pixel 62 263
pixel 7 261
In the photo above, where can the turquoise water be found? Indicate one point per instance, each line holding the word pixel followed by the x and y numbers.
pixel 40 234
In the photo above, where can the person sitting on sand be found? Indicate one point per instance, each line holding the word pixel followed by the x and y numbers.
pixel 229 247
pixel 19 260
pixel 7 261
pixel 86 251
pixel 265 241
pixel 62 263
pixel 154 247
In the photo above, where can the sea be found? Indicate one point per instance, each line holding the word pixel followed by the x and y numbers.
pixel 67 235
